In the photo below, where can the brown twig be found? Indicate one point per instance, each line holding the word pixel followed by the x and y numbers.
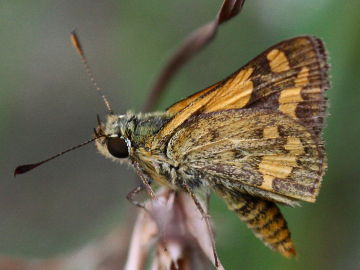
pixel 196 41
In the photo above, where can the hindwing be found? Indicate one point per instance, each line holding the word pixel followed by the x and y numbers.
pixel 253 147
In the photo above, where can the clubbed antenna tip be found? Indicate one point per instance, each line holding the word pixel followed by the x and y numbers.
pixel 28 167
pixel 76 43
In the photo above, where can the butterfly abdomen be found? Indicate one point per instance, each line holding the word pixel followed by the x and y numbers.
pixel 264 219
pixel 268 224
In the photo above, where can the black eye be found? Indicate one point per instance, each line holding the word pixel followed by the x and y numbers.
pixel 117 147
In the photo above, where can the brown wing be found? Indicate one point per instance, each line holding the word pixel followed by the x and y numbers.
pixel 178 106
pixel 255 150
pixel 290 77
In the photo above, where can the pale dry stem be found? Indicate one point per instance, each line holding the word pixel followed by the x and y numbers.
pixel 174 227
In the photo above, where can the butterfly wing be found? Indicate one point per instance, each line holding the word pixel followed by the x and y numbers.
pixel 251 147
pixel 259 127
pixel 178 106
pixel 289 77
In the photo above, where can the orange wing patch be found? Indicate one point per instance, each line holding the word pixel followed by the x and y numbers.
pixel 182 116
pixel 278 61
pixel 178 106
pixel 303 77
pixel 235 93
pixel 271 132
pixel 288 101
pixel 281 166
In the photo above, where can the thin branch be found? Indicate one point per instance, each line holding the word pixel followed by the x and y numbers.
pixel 196 41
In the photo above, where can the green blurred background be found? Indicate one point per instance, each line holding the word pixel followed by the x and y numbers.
pixel 47 104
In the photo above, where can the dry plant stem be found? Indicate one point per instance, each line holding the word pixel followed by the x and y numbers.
pixel 144 231
pixel 196 41
pixel 174 226
pixel 131 196
pixel 206 217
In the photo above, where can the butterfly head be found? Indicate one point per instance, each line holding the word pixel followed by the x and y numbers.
pixel 122 137
pixel 114 137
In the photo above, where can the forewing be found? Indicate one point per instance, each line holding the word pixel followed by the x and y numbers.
pixel 290 77
pixel 255 147
pixel 178 106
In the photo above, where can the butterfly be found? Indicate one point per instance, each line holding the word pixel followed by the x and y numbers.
pixel 253 138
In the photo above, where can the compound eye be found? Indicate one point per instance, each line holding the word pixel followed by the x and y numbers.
pixel 117 147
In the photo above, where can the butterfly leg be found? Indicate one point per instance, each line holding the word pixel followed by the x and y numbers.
pixel 131 196
pixel 206 218
pixel 144 179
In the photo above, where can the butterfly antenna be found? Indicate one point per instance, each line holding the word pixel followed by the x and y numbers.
pixel 28 167
pixel 76 43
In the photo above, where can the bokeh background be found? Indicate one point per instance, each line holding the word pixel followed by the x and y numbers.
pixel 47 104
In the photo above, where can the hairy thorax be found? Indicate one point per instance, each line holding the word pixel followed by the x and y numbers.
pixel 138 130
